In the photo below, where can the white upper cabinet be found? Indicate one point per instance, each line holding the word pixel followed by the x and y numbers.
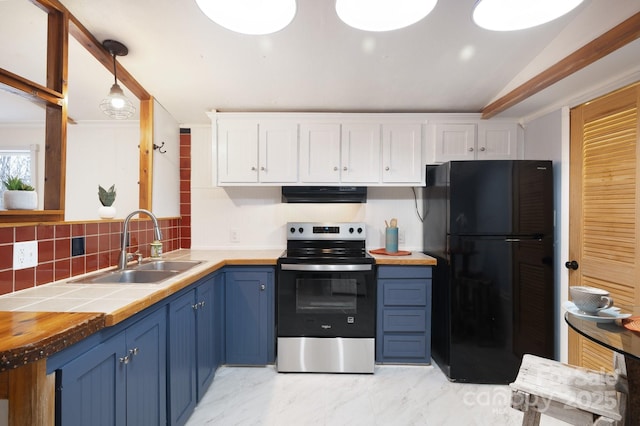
pixel 485 140
pixel 319 153
pixel 361 153
pixel 497 141
pixel 237 151
pixel 351 149
pixel 252 152
pixel 319 149
pixel 360 147
pixel 278 152
pixel 402 153
pixel 455 142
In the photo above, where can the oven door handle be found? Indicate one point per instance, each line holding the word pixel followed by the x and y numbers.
pixel 322 267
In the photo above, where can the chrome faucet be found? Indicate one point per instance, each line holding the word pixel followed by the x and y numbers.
pixel 124 256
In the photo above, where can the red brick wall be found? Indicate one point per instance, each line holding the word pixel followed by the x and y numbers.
pixel 185 188
pixel 102 247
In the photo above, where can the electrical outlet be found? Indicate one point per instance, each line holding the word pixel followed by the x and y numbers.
pixel 233 236
pixel 25 255
pixel 400 236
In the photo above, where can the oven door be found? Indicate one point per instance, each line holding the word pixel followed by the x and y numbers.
pixel 325 300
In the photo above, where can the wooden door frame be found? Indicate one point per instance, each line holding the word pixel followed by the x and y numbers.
pixel 574 246
pixel 563 222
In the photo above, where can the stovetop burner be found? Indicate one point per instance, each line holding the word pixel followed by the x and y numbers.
pixel 343 242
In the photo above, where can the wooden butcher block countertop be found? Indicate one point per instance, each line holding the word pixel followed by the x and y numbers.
pixel 38 322
pixel 31 336
pixel 415 258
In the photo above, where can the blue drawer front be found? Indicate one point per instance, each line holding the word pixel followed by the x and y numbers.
pixel 404 272
pixel 404 320
pixel 404 293
pixel 405 347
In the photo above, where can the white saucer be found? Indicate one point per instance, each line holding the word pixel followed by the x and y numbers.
pixel 605 315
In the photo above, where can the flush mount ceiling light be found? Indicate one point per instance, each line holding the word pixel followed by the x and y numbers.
pixel 383 15
pixel 116 105
pixel 509 15
pixel 253 17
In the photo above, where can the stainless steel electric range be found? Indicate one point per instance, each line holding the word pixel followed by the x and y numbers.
pixel 326 300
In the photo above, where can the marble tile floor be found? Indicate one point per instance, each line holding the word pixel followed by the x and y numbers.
pixel 394 395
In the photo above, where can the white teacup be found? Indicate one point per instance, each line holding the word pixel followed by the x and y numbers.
pixel 590 299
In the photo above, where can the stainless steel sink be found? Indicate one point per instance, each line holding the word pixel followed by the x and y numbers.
pixel 128 276
pixel 149 272
pixel 167 265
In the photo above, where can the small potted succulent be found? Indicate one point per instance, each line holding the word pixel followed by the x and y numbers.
pixel 107 197
pixel 19 195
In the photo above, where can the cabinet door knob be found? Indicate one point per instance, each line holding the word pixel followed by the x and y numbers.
pixel 253 169
pixel 470 149
pixel 335 169
pixel 134 351
pixel 345 168
pixel 482 148
pixel 387 168
pixel 573 265
pixel 124 359
pixel 263 168
pixel 263 287
pixel 195 307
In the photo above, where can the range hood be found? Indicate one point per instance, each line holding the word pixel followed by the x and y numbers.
pixel 324 194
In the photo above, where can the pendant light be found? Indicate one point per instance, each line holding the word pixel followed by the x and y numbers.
pixel 383 15
pixel 116 105
pixel 253 17
pixel 510 15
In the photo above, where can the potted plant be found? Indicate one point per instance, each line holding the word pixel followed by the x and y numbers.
pixel 19 195
pixel 107 197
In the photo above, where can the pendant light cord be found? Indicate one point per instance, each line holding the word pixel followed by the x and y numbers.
pixel 115 74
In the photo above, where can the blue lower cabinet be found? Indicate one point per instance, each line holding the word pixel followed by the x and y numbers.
pixel 182 358
pixel 147 371
pixel 206 345
pixel 405 347
pixel 192 347
pixel 121 381
pixel 404 315
pixel 250 316
pixel 91 390
pixel 154 367
pixel 219 335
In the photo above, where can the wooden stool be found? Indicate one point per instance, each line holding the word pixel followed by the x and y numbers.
pixel 572 394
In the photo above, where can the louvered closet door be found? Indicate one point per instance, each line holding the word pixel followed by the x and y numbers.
pixel 604 211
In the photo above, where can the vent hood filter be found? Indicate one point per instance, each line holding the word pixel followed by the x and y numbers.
pixel 324 194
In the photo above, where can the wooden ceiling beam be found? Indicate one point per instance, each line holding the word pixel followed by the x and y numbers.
pixel 617 37
pixel 28 89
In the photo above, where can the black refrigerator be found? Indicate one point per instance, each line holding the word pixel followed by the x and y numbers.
pixel 490 226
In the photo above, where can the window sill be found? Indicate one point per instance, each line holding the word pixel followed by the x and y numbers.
pixel 11 217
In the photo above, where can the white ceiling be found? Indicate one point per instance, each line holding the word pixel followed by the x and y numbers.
pixel 444 63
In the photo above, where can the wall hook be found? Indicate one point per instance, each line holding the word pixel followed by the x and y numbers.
pixel 159 148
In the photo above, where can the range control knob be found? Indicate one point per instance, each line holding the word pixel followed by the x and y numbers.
pixel 359 230
pixel 351 230
pixel 300 230
pixel 293 230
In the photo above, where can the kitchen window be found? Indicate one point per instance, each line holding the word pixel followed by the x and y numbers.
pixel 20 162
